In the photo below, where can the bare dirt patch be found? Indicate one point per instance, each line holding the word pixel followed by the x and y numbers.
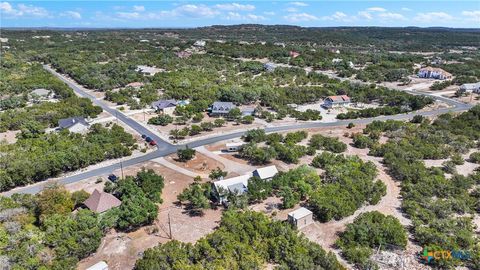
pixel 199 164
pixel 120 250
pixel 9 136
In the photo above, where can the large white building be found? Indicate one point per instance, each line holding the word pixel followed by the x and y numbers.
pixel 434 73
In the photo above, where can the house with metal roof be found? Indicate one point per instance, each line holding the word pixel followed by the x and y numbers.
pixel 301 217
pixel 236 185
pixel 334 101
pixel 220 108
pixel 470 87
pixel 74 124
pixel 266 173
pixel 100 202
pixel 166 106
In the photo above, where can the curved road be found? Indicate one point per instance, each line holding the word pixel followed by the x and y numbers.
pixel 165 148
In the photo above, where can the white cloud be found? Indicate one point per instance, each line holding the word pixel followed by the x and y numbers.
pixel 472 15
pixel 196 11
pixel 433 17
pixel 376 9
pixel 269 13
pixel 71 14
pixel 299 4
pixel 337 16
pixel 253 17
pixel 138 8
pixel 365 15
pixel 391 16
pixel 300 17
pixel 235 6
pixel 235 16
pixel 128 15
pixel 291 9
pixel 406 9
pixel 22 10
pixel 6 7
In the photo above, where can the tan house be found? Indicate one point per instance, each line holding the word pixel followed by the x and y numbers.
pixel 301 217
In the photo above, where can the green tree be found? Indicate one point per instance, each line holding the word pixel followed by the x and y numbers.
pixel 185 154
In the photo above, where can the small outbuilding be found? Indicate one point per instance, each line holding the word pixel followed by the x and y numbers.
pixel 301 217
pixel 266 173
pixel 100 202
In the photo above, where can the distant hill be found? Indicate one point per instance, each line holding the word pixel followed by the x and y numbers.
pixel 389 38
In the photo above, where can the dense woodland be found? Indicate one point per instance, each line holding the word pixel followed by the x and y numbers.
pixel 440 208
pixel 244 240
pixel 37 156
pixel 107 60
pixel 41 231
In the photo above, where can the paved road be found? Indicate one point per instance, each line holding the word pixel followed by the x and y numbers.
pixel 165 148
pixel 161 144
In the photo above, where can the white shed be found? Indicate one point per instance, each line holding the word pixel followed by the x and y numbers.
pixel 266 173
pixel 301 217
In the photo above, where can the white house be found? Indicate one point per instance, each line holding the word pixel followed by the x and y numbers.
pixel 237 185
pixel 301 217
pixel 199 43
pixel 335 101
pixel 74 124
pixel 234 146
pixel 270 67
pixel 470 87
pixel 266 173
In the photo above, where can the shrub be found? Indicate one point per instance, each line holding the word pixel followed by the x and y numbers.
pixel 161 120
pixel 185 154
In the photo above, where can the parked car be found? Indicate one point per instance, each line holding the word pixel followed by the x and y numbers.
pixel 113 178
pixel 153 143
pixel 144 136
pixel 148 139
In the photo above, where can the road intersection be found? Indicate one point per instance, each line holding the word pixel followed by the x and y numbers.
pixel 165 148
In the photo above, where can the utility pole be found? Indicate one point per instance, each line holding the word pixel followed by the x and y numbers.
pixel 170 225
pixel 121 168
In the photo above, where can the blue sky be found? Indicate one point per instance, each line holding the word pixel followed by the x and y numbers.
pixel 134 14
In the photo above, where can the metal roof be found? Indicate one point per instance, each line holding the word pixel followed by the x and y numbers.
pixel 266 172
pixel 300 213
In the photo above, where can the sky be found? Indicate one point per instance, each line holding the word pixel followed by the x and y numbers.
pixel 139 14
